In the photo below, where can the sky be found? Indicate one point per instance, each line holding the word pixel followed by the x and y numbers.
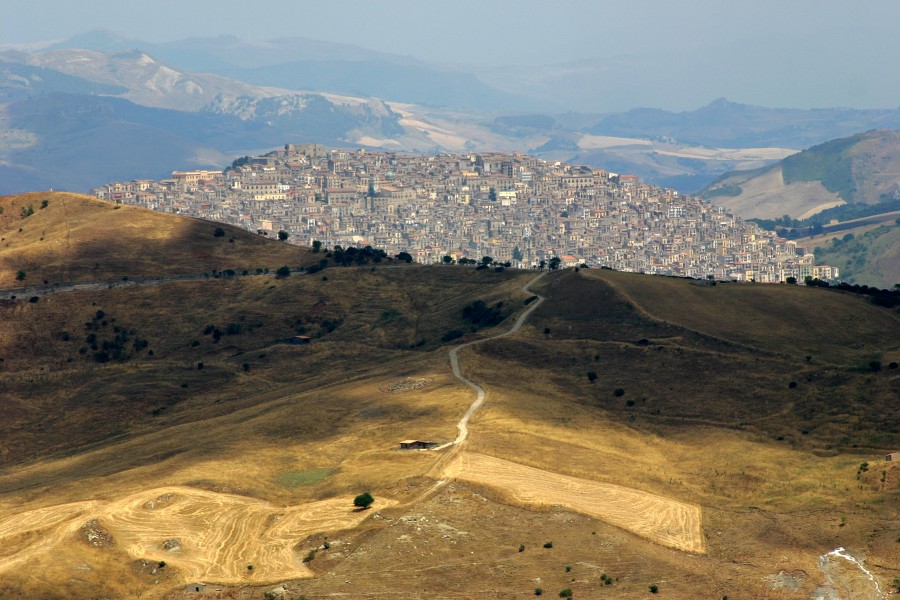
pixel 832 48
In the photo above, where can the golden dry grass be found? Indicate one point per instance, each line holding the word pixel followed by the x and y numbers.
pixel 793 320
pixel 79 238
pixel 220 535
pixel 709 400
pixel 661 520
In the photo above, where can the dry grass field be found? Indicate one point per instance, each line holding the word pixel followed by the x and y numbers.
pixel 661 520
pixel 706 429
pixel 77 238
pixel 213 537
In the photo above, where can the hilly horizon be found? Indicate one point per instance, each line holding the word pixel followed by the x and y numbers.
pixel 367 99
pixel 166 435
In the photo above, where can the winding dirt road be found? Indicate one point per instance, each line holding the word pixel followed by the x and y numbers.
pixel 659 519
pixel 463 425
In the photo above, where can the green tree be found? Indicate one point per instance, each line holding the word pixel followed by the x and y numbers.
pixel 543 264
pixel 282 272
pixel 517 254
pixel 592 376
pixel 447 259
pixel 20 276
pixel 554 263
pixel 316 245
pixel 283 235
pixel 492 195
pixel 405 256
pixel 486 260
pixel 791 280
pixel 219 232
pixel 363 501
pixel 653 588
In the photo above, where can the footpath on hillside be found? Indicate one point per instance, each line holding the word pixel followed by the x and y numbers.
pixel 463 425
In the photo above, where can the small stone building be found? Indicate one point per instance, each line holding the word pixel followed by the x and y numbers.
pixel 416 445
pixel 893 456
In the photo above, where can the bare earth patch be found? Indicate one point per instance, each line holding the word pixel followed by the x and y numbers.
pixel 219 535
pixel 661 520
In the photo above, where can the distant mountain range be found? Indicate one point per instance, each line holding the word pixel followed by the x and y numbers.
pixel 99 106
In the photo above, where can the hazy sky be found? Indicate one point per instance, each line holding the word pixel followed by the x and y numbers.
pixel 828 44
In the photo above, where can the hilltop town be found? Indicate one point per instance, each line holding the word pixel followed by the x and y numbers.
pixel 510 207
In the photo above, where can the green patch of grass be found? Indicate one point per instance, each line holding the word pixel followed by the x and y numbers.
pixel 291 479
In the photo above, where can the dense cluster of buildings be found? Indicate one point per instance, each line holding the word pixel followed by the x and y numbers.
pixel 510 207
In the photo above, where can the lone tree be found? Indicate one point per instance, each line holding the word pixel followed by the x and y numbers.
pixel 283 235
pixel 447 259
pixel 554 262
pixel 282 272
pixel 364 500
pixel 316 245
pixel 20 276
pixel 592 376
pixel 405 256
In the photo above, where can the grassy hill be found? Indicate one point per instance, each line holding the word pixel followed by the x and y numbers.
pixel 868 256
pixel 206 442
pixel 859 169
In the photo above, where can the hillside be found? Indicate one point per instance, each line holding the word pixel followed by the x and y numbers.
pixel 635 430
pixel 869 255
pixel 862 168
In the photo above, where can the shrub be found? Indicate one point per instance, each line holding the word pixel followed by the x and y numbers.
pixel 592 376
pixel 364 500
pixel 566 593
pixel 283 272
pixel 548 544
pixel 538 592
pixel 619 392
pixel 219 232
pixel 310 556
pixel 521 547
pixel 653 588
pixel 20 276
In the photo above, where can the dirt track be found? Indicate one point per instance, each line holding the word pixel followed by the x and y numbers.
pixel 661 520
pixel 463 426
pixel 220 534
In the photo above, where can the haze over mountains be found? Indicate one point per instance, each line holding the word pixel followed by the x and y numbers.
pixel 226 97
